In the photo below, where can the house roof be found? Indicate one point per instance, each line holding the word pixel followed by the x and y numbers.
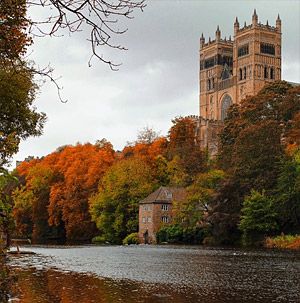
pixel 165 195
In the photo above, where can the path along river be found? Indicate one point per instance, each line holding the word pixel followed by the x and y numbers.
pixel 154 274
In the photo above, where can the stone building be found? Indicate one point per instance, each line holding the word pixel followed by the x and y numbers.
pixel 231 69
pixel 156 211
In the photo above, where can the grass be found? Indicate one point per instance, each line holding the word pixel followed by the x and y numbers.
pixel 283 242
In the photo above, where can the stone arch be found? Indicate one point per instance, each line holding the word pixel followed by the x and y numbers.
pixel 225 104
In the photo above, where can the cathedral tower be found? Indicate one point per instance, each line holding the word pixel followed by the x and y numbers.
pixel 231 70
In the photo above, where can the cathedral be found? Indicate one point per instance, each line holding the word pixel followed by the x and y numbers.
pixel 231 69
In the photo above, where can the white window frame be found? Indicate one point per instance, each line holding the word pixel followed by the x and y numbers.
pixel 165 207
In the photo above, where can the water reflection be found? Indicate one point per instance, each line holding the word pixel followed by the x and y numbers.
pixel 52 286
pixel 6 280
pixel 157 274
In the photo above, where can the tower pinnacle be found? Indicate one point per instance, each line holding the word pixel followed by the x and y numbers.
pixel 254 18
pixel 218 34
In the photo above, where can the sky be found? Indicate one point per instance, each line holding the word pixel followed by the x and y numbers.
pixel 158 78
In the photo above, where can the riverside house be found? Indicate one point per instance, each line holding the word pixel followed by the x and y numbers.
pixel 156 211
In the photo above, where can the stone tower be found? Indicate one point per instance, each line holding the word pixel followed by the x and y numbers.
pixel 232 69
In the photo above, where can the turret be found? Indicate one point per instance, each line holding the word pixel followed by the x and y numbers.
pixel 254 18
pixel 278 23
pixel 236 26
pixel 202 41
pixel 218 34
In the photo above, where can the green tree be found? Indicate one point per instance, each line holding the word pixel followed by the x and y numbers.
pixel 200 195
pixel 18 118
pixel 287 193
pixel 114 208
pixel 7 184
pixel 23 199
pixel 259 216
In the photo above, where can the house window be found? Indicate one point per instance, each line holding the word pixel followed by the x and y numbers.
pixel 165 207
pixel 147 207
pixel 169 195
pixel 165 219
pixel 144 220
pixel 149 219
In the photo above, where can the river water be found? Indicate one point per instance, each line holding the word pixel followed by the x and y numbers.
pixel 155 274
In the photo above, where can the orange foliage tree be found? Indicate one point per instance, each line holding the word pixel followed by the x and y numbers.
pixel 61 184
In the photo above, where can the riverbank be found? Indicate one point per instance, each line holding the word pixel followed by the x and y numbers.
pixel 283 242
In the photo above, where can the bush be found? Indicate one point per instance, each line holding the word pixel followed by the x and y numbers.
pixel 283 241
pixel 131 239
pixel 99 240
pixel 178 234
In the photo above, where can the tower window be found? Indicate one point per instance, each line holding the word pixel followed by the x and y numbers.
pixel 266 72
pixel 226 103
pixel 245 72
pixel 243 50
pixel 272 73
pixel 241 74
pixel 266 48
pixel 208 84
pixel 210 62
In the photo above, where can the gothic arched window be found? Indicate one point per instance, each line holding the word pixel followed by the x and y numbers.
pixel 272 73
pixel 211 108
pixel 266 72
pixel 226 103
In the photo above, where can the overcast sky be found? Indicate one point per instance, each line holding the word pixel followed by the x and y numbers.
pixel 158 79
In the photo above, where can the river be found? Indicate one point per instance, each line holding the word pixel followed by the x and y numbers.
pixel 155 274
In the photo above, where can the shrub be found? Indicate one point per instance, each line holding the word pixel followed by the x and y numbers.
pixel 99 240
pixel 178 234
pixel 131 239
pixel 283 241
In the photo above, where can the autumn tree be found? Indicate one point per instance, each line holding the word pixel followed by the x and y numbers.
pixel 252 145
pixel 184 147
pixel 81 167
pixel 14 40
pixel 55 190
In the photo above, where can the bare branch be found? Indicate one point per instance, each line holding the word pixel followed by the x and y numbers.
pixel 100 17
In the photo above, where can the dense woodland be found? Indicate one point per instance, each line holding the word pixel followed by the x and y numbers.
pixel 250 190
